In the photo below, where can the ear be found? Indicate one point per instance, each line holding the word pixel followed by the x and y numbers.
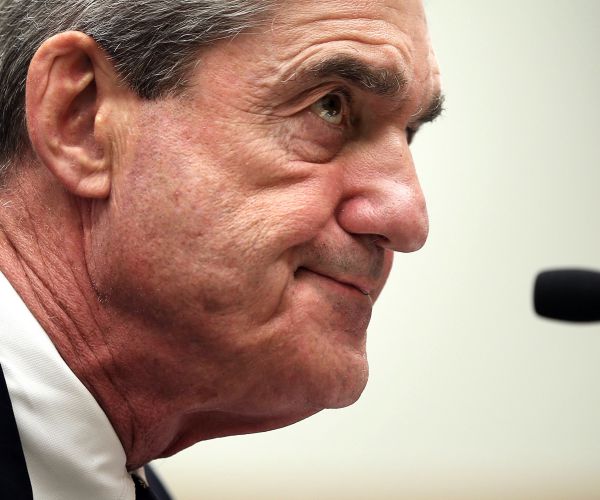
pixel 72 109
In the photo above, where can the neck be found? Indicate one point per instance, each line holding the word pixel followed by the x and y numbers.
pixel 42 254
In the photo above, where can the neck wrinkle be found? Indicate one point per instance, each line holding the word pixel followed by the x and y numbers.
pixel 42 266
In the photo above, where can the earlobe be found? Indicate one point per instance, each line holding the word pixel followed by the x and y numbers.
pixel 69 86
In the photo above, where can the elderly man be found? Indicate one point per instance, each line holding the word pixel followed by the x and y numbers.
pixel 199 204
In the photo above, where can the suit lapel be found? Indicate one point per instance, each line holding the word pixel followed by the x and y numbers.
pixel 153 489
pixel 142 490
pixel 14 479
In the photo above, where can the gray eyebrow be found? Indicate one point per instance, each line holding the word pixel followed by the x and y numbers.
pixel 372 79
pixel 434 110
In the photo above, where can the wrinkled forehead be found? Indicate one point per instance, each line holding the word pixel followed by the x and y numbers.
pixel 390 33
pixel 395 11
pixel 381 18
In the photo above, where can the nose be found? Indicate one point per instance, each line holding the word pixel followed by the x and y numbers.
pixel 383 196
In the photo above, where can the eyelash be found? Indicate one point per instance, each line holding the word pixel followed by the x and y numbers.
pixel 346 98
pixel 348 119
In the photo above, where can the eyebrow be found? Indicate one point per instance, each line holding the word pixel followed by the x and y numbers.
pixel 433 111
pixel 372 79
pixel 380 81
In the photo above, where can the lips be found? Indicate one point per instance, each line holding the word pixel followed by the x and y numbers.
pixel 353 282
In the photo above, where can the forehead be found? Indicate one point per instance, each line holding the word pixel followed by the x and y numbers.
pixel 278 64
pixel 382 18
pixel 389 33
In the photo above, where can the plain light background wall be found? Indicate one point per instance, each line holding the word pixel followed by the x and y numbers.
pixel 471 396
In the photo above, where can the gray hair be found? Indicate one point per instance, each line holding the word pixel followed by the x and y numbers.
pixel 152 44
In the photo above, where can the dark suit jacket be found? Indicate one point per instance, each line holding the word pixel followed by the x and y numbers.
pixel 14 478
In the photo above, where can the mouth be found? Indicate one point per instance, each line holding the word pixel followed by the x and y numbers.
pixel 344 281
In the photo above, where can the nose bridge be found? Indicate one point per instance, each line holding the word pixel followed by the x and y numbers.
pixel 383 194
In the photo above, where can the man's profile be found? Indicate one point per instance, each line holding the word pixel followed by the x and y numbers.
pixel 199 203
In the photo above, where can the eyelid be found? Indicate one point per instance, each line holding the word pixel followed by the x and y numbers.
pixel 346 94
pixel 342 91
pixel 347 104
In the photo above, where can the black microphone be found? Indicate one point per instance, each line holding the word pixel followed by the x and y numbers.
pixel 568 295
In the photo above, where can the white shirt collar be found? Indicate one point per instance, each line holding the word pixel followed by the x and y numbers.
pixel 72 451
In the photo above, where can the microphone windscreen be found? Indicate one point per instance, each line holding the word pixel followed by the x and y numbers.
pixel 568 295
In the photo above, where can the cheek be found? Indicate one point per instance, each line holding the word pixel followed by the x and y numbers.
pixel 388 261
pixel 309 139
pixel 212 226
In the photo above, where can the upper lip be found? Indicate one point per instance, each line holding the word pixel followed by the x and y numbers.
pixel 361 283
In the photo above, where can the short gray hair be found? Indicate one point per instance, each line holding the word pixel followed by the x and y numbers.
pixel 152 44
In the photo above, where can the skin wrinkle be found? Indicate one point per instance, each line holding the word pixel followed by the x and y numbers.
pixel 321 256
pixel 378 81
pixel 106 341
pixel 353 29
pixel 63 321
pixel 29 270
pixel 62 318
pixel 433 109
pixel 228 248
pixel 362 35
pixel 343 46
pixel 37 287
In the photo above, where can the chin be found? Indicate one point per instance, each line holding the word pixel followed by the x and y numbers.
pixel 310 383
pixel 331 371
pixel 349 394
pixel 341 385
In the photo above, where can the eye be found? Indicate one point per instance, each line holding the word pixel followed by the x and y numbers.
pixel 330 108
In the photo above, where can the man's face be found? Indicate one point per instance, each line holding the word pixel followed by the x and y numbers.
pixel 252 220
